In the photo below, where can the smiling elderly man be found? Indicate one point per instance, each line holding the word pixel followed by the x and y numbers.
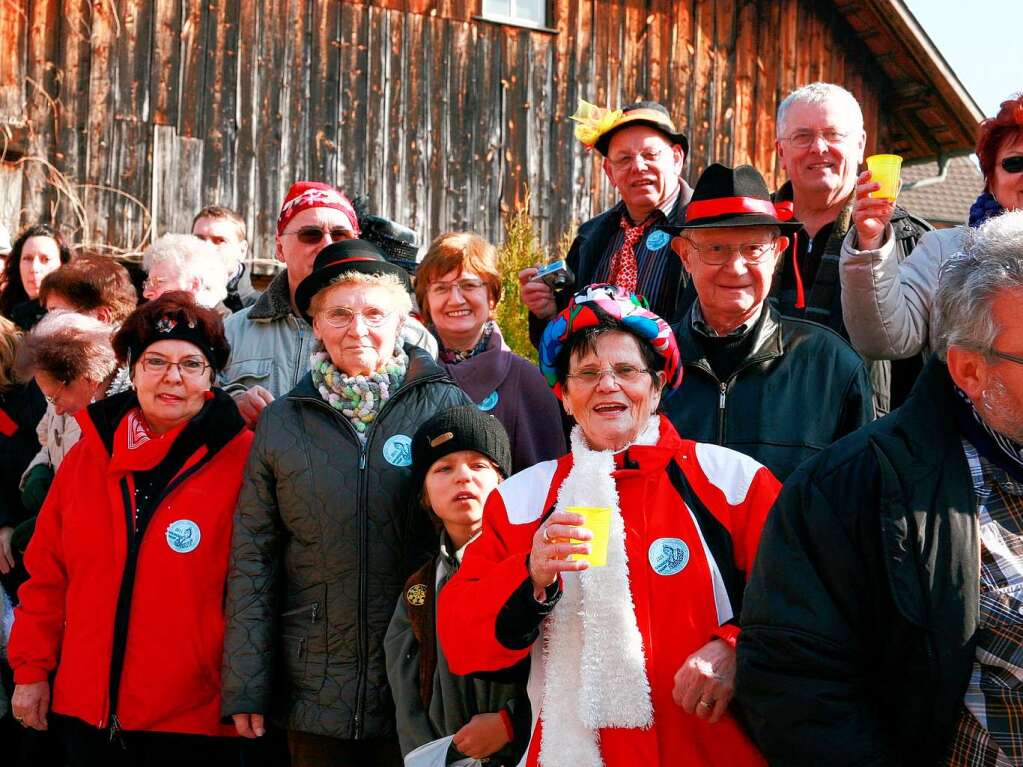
pixel 883 622
pixel 271 342
pixel 776 388
pixel 820 145
pixel 643 159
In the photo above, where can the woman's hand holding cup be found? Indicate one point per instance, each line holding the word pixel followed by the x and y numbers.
pixel 552 546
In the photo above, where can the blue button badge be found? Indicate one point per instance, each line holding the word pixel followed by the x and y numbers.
pixel 398 450
pixel 657 239
pixel 183 536
pixel 668 556
pixel 489 402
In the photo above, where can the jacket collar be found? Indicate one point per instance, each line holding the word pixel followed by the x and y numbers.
pixel 275 303
pixel 484 372
pixel 216 424
pixel 768 344
pixel 672 216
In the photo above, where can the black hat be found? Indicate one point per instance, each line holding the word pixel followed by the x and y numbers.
pixel 399 244
pixel 459 428
pixel 727 197
pixel 649 113
pixel 338 258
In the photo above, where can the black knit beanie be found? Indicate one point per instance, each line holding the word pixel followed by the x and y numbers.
pixel 455 429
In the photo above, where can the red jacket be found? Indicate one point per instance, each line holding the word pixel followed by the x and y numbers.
pixel 676 614
pixel 172 623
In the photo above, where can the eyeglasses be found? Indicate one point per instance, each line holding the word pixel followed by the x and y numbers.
pixel 802 139
pixel 649 157
pixel 1005 356
pixel 154 283
pixel 622 374
pixel 310 235
pixel 443 289
pixel 341 317
pixel 189 367
pixel 51 399
pixel 716 255
pixel 1013 164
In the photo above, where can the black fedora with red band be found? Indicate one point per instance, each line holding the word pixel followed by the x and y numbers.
pixel 729 197
pixel 341 257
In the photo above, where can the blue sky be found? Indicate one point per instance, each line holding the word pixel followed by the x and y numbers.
pixel 981 40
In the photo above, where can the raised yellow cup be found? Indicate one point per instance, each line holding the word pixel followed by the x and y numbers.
pixel 597 519
pixel 884 170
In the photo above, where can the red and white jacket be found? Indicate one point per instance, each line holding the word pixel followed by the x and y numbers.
pixel 678 609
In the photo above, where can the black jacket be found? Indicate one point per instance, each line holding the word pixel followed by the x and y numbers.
pixel 588 248
pixel 800 388
pixel 323 543
pixel 859 617
pixel 21 408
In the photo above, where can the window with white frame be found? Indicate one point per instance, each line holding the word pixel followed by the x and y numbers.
pixel 530 13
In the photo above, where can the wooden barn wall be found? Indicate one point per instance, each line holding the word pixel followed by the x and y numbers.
pixel 135 113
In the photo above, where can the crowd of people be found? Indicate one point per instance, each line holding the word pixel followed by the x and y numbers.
pixel 759 502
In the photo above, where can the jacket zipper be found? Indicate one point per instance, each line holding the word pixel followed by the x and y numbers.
pixel 363 533
pixel 122 612
pixel 723 390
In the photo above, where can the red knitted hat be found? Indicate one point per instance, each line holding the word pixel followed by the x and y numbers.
pixel 313 194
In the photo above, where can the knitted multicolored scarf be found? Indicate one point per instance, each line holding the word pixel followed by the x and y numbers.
pixel 985 207
pixel 358 398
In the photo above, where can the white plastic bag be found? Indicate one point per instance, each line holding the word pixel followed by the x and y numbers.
pixel 435 754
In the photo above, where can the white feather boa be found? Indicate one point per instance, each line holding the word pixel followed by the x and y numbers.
pixel 595 669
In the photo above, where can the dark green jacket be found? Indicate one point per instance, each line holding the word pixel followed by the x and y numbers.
pixel 801 388
pixel 323 542
pixel 859 617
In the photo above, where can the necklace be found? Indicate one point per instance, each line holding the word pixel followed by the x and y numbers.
pixel 358 398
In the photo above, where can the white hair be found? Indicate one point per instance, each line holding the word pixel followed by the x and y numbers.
pixel 194 259
pixel 401 302
pixel 820 93
pixel 991 262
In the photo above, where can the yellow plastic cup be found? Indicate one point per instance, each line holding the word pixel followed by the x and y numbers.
pixel 597 519
pixel 885 170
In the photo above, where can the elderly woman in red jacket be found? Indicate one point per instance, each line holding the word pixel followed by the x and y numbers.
pixel 631 662
pixel 123 608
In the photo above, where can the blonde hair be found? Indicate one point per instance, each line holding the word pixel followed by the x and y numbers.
pixel 401 302
pixel 9 338
pixel 461 251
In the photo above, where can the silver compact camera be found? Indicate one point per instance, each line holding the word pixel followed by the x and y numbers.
pixel 557 275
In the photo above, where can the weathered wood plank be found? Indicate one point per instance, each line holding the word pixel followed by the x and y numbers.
pixel 220 103
pixel 41 111
pixel 165 66
pixel 192 77
pixel 176 191
pixel 13 25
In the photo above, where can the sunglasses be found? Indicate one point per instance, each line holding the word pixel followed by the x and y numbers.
pixel 1013 164
pixel 310 235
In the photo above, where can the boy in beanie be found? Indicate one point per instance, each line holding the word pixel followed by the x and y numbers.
pixel 458 457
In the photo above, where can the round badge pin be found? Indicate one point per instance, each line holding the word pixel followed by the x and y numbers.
pixel 398 450
pixel 416 595
pixel 183 536
pixel 657 239
pixel 489 402
pixel 668 556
